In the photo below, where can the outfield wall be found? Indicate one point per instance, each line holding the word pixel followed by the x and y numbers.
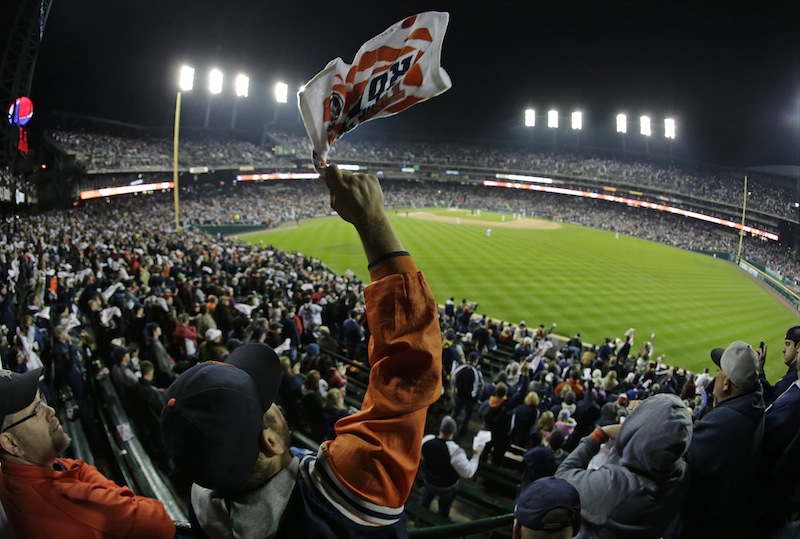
pixel 774 281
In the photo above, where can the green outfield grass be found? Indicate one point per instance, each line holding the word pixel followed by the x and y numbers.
pixel 581 278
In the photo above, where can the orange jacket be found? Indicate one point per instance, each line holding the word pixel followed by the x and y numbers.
pixel 78 503
pixel 376 452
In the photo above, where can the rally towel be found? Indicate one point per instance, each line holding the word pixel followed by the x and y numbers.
pixel 391 72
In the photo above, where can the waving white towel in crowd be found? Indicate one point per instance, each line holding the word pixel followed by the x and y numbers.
pixel 391 72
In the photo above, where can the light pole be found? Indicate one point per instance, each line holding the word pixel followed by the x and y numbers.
pixel 577 125
pixel 552 123
pixel 185 83
pixel 214 88
pixel 644 129
pixel 242 86
pixel 530 121
pixel 669 132
pixel 622 128
pixel 281 97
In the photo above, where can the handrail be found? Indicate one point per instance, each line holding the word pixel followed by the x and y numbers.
pixel 462 529
pixel 145 477
pixel 79 448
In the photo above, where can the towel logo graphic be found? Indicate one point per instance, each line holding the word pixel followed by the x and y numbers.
pixel 391 72
pixel 378 92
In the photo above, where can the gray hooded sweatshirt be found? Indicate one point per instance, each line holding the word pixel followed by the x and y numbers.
pixel 638 497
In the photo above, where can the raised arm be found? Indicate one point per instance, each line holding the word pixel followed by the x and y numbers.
pixel 376 451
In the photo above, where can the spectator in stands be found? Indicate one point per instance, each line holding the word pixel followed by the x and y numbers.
pixel 573 382
pixel 313 403
pixel 467 384
pixel 327 343
pixel 775 500
pixel 243 472
pixel 333 373
pixel 524 418
pixel 47 496
pixel 223 316
pixel 496 413
pixel 790 347
pixel 546 424
pixel 724 449
pixel 556 444
pixel 538 459
pixel 157 353
pixel 353 336
pixel 651 477
pixel 549 508
pixel 121 375
pixel 212 348
pixel 290 393
pixel 443 463
pixel 185 336
pixel 333 410
pixel 146 402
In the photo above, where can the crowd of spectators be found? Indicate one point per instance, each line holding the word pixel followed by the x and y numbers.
pixel 101 151
pixel 146 302
pixel 701 183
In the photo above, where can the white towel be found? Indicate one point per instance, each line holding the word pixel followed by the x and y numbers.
pixel 391 72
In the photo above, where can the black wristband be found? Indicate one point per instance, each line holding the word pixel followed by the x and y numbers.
pixel 387 256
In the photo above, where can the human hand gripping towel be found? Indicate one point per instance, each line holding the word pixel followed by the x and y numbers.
pixel 391 72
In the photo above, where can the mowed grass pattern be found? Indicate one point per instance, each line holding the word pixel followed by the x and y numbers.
pixel 581 278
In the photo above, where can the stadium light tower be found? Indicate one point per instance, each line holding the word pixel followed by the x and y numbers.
pixel 644 129
pixel 281 97
pixel 242 86
pixel 214 88
pixel 552 122
pixel 530 121
pixel 185 84
pixel 577 124
pixel 669 132
pixel 282 92
pixel 530 118
pixel 622 127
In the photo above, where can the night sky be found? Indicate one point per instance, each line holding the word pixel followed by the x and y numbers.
pixel 728 72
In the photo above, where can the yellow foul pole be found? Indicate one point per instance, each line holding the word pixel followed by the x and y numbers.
pixel 741 232
pixel 176 187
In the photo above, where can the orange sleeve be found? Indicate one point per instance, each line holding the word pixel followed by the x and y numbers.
pixel 116 511
pixel 376 452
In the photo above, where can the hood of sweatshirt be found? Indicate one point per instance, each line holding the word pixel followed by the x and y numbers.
pixel 254 515
pixel 655 437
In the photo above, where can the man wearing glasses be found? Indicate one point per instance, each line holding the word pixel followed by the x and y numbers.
pixel 47 496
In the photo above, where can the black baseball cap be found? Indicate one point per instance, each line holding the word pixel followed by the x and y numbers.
pixel 214 413
pixel 17 391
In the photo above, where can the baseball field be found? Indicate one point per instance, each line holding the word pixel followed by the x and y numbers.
pixel 585 280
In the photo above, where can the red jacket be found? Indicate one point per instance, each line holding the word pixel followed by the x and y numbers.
pixel 78 503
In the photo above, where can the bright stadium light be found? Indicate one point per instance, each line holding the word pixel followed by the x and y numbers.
pixel 282 92
pixel 242 85
pixel 530 118
pixel 577 120
pixel 669 128
pixel 186 79
pixel 622 123
pixel 215 81
pixel 552 118
pixel 644 126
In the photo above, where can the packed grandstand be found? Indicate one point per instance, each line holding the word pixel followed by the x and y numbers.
pixel 103 272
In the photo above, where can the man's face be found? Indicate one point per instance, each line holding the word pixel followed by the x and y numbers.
pixel 39 439
pixel 789 351
pixel 719 382
pixel 280 426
